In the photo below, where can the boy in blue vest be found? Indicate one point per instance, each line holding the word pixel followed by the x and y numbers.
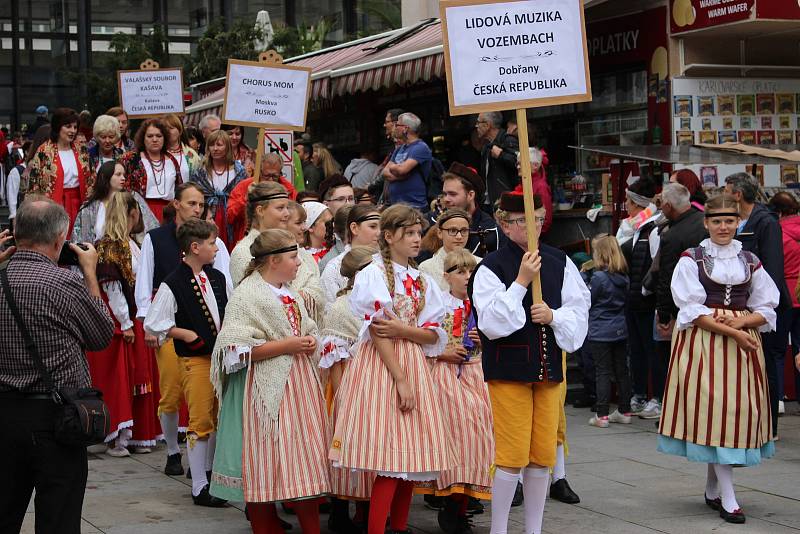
pixel 189 308
pixel 522 363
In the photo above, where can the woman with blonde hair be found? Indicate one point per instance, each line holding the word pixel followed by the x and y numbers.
pixel 273 428
pixel 217 177
pixel 324 160
pixel 716 401
pixel 124 371
pixel 608 332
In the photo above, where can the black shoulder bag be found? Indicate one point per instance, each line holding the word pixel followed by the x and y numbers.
pixel 82 417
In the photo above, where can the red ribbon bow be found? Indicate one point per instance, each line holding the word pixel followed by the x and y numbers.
pixel 460 316
pixel 286 299
pixel 202 278
pixel 410 284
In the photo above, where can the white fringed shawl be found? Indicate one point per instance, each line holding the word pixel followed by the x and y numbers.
pixel 255 315
pixel 339 333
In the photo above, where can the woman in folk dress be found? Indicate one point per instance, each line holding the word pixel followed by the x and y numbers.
pixel 716 403
pixel 339 340
pixel 388 419
pixel 464 398
pixel 273 426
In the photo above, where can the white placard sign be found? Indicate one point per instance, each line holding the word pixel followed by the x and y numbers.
pixel 150 93
pixel 266 96
pixel 514 54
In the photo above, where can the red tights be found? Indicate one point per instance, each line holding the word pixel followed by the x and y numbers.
pixel 389 494
pixel 264 517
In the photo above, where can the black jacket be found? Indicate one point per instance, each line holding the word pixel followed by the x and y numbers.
pixel 637 255
pixel 500 174
pixel 762 235
pixel 687 231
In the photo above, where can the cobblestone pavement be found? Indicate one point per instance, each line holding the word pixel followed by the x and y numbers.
pixel 624 484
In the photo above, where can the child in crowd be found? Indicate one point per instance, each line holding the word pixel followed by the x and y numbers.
pixel 297 222
pixel 464 398
pixel 339 337
pixel 608 333
pixel 388 420
pixel 189 307
pixel 273 412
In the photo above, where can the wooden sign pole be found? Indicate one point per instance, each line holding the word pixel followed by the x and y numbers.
pixel 267 58
pixel 527 190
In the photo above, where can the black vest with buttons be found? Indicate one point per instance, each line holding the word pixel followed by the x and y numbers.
pixel 193 313
pixel 530 354
pixel 166 252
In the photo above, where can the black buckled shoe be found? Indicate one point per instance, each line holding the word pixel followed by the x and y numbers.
pixel 560 491
pixel 736 517
pixel 204 498
pixel 714 504
pixel 432 502
pixel 448 517
pixel 519 496
pixel 474 506
pixel 174 466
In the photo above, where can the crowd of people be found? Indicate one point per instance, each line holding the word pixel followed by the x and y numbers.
pixel 284 326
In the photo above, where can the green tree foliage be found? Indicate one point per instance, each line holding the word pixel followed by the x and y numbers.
pixel 216 46
pixel 125 52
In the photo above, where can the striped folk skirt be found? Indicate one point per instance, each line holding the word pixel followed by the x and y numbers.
pixel 371 432
pixel 716 401
pixel 286 459
pixel 464 399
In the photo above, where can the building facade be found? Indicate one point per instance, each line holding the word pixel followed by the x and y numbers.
pixel 45 43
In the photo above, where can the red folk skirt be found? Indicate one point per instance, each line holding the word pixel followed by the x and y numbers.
pixel 157 205
pixel 71 201
pixel 146 426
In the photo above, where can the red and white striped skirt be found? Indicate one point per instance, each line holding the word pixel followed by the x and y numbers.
pixel 289 461
pixel 716 394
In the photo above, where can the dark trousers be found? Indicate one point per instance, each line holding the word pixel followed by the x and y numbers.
pixel 611 361
pixel 31 459
pixel 663 353
pixel 584 358
pixel 775 344
pixel 646 365
pixel 794 330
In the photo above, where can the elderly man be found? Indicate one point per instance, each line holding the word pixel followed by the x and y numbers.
pixel 64 315
pixel 409 165
pixel 271 169
pixel 208 125
pixel 685 229
pixel 498 157
pixel 761 234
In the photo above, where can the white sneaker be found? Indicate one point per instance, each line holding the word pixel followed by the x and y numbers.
pixel 617 417
pixel 781 408
pixel 652 410
pixel 118 452
pixel 599 422
pixel 637 404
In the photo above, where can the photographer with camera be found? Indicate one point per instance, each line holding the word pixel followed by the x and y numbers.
pixel 63 315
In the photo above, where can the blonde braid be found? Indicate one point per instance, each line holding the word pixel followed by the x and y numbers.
pixel 421 282
pixel 387 263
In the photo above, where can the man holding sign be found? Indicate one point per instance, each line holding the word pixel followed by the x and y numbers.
pixel 523 344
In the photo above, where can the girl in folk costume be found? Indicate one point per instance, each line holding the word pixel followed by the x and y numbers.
pixel 716 402
pixel 339 336
pixel 362 230
pixel 273 425
pixel 91 220
pixel 388 421
pixel 124 370
pixel 267 208
pixel 188 160
pixel 60 169
pixel 150 169
pixel 297 222
pixel 241 152
pixel 217 177
pixel 451 233
pixel 319 229
pixel 464 398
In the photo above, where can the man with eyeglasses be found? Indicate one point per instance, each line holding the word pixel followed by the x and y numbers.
pixel 271 170
pixel 335 192
pixel 526 370
pixel 409 165
pixel 498 157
